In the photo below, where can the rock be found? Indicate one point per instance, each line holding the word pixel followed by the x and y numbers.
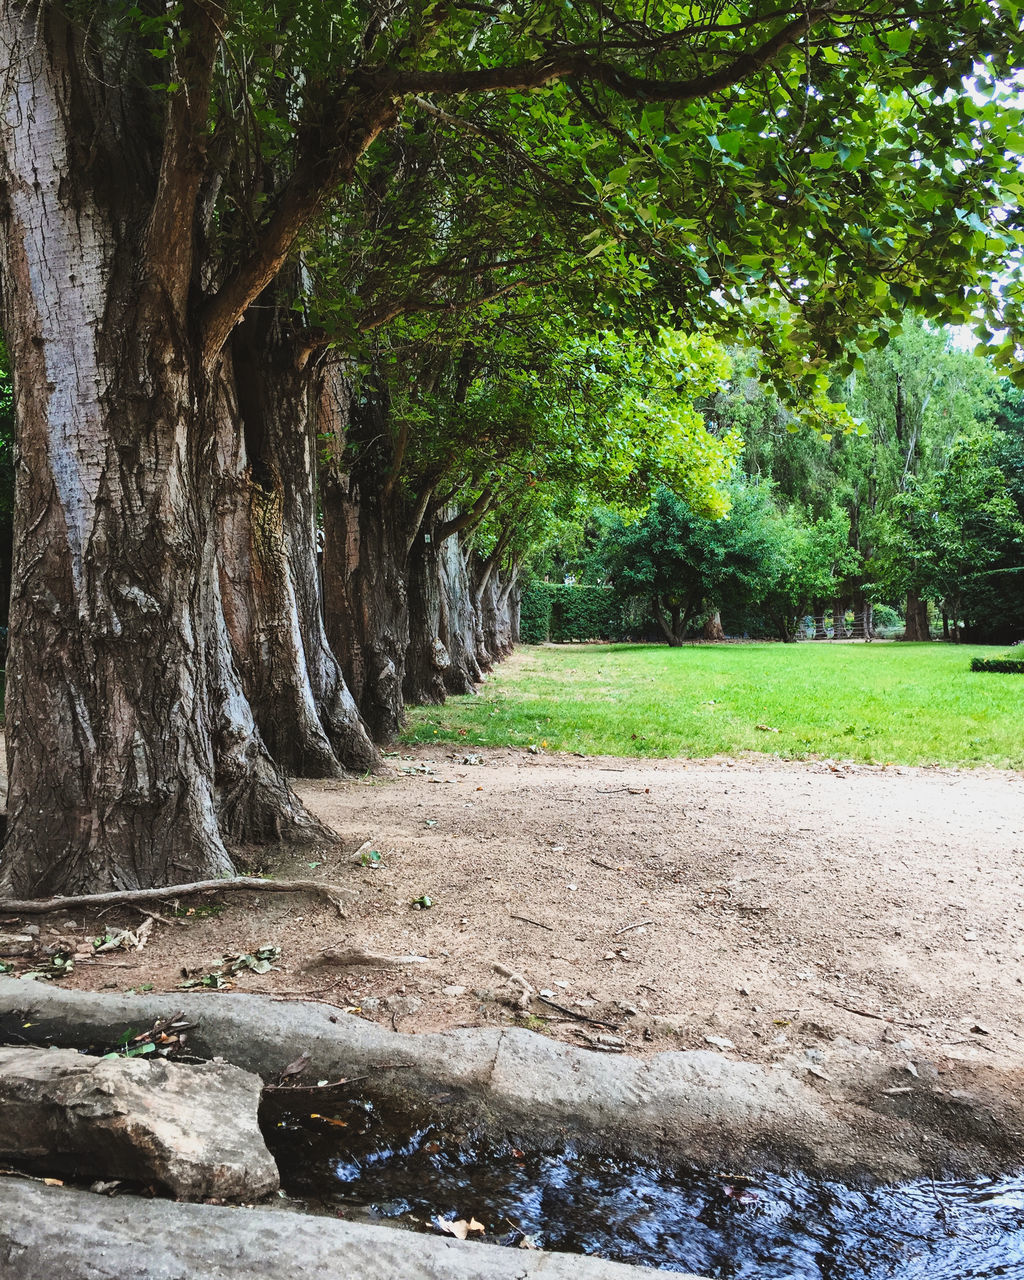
pixel 404 1006
pixel 191 1130
pixel 453 991
pixel 71 1235
pixel 693 1106
pixel 17 944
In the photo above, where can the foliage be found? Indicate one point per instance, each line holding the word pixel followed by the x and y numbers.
pixel 563 613
pixel 683 563
pixel 877 703
pixel 1012 666
pixel 948 537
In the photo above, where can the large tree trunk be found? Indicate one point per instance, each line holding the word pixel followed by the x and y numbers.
pixel 916 627
pixel 269 569
pixel 427 659
pixel 365 598
pixel 502 587
pixel 458 622
pixel 127 729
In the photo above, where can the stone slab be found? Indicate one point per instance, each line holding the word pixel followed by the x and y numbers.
pixel 51 1233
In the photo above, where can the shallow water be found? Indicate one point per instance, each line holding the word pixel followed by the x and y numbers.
pixel 770 1227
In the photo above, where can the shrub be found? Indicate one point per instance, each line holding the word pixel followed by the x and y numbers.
pixel 1012 666
pixel 535 613
pixel 885 616
pixel 550 611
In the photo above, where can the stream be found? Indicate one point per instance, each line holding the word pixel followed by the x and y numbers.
pixel 355 1159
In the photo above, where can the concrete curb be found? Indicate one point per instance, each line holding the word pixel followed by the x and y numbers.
pixel 74 1235
pixel 686 1106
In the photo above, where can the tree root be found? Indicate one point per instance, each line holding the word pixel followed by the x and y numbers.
pixel 39 906
pixel 374 959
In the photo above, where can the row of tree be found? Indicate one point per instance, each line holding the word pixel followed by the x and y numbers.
pixel 410 277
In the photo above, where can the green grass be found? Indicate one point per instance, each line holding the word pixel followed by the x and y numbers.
pixel 879 703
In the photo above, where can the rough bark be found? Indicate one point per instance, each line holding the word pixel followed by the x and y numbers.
pixel 916 627
pixel 365 598
pixel 500 623
pixel 427 659
pixel 130 745
pixel 458 620
pixel 269 561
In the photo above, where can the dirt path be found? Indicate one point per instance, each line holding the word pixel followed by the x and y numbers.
pixel 779 905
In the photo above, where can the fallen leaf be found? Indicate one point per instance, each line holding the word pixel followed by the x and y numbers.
pixel 458 1227
pixel 297 1067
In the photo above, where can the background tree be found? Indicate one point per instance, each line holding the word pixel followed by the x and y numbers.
pixel 946 537
pixel 683 565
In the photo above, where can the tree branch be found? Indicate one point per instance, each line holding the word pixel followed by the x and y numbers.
pixel 170 238
pixel 577 63
pixel 328 157
pixel 467 518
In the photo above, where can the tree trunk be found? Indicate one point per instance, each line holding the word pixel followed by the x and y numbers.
pixel 490 600
pixel 861 617
pixel 502 586
pixel 365 599
pixel 427 659
pixel 712 629
pixel 127 728
pixel 458 620
pixel 916 627
pixel 669 626
pixel 838 620
pixel 515 602
pixel 269 571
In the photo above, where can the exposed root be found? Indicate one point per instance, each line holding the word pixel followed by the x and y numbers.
pixel 374 959
pixel 39 906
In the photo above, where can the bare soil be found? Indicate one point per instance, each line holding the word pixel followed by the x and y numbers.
pixel 757 907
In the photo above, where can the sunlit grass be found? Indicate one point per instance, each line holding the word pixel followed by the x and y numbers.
pixel 877 703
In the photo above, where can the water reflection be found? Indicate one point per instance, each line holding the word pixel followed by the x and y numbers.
pixel 355 1159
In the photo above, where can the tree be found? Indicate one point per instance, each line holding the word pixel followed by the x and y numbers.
pixel 153 190
pixel 948 535
pixel 684 565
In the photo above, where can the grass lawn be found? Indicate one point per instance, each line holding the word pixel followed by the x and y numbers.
pixel 877 703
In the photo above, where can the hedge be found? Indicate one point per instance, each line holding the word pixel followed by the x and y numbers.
pixel 562 614
pixel 1013 666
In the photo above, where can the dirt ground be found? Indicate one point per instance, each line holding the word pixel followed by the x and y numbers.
pixel 757 907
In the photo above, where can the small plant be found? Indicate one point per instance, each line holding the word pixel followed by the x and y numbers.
pixel 371 858
pixel 57 966
pixel 422 903
pixel 128 1049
